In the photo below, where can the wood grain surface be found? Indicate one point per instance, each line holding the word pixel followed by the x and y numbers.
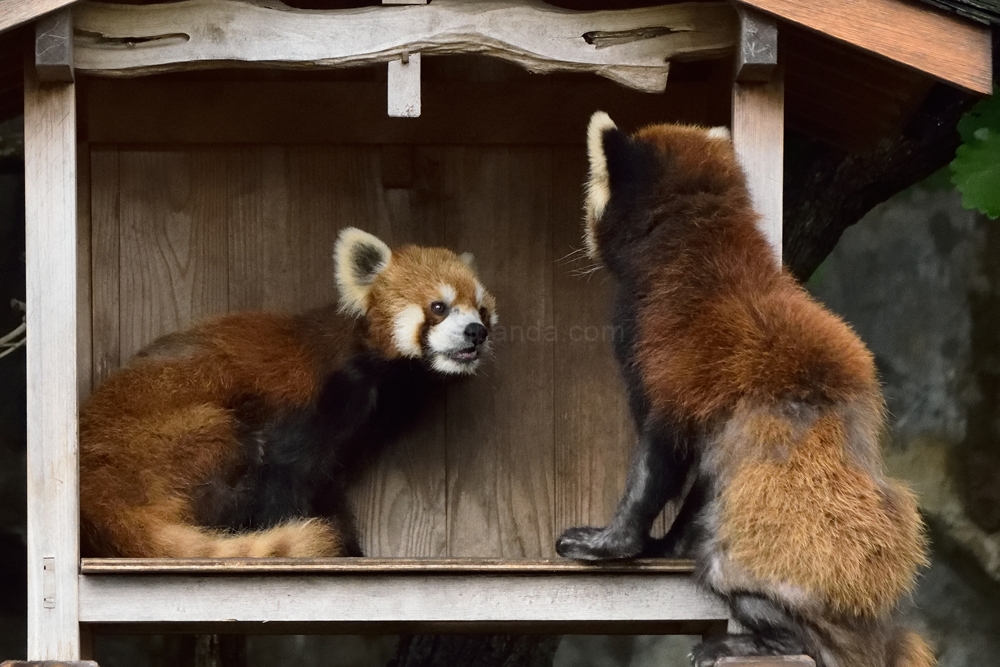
pixel 632 46
pixel 50 165
pixel 951 49
pixel 16 12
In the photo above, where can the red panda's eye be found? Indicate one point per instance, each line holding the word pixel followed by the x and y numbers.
pixel 439 307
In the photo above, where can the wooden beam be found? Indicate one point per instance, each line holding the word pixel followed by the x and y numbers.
pixel 53 481
pixel 947 47
pixel 404 77
pixel 757 46
pixel 631 47
pixel 397 601
pixel 54 47
pixel 47 663
pixel 759 128
pixel 17 12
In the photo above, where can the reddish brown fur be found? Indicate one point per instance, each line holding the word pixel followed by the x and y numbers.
pixel 417 271
pixel 781 393
pixel 155 429
pixel 164 425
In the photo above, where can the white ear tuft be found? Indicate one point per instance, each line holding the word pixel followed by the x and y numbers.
pixel 468 259
pixel 598 187
pixel 359 258
pixel 720 132
pixel 598 183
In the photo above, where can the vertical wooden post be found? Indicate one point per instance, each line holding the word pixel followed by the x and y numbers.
pixel 403 85
pixel 759 119
pixel 51 254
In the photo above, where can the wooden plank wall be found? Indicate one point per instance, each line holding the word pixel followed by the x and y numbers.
pixel 538 441
pixel 503 462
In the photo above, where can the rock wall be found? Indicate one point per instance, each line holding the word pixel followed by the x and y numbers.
pixel 919 279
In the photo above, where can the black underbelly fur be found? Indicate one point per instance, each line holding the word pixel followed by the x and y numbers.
pixel 295 463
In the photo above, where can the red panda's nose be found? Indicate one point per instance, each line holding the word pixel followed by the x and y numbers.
pixel 476 333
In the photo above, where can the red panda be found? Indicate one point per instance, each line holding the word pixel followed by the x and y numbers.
pixel 233 438
pixel 755 397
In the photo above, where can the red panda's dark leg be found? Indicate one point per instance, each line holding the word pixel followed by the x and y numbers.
pixel 771 630
pixel 658 473
pixel 684 533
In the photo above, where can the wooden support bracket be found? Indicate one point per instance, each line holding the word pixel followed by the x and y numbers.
pixel 404 77
pixel 759 121
pixel 54 47
pixel 757 47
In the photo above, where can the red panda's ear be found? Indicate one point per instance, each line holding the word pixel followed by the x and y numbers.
pixel 598 183
pixel 468 259
pixel 359 257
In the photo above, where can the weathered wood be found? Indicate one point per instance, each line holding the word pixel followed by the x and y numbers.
pixel 758 135
pixel 594 434
pixel 499 426
pixel 52 389
pixel 54 47
pixel 47 663
pixel 757 46
pixel 173 243
pixel 404 86
pixel 537 111
pixel 16 12
pixel 398 600
pixel 84 309
pixel 401 501
pixel 105 263
pixel 631 47
pixel 404 77
pixel 947 47
pixel 767 661
pixel 379 566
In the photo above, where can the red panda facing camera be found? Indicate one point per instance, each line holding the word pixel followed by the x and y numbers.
pixel 763 403
pixel 233 438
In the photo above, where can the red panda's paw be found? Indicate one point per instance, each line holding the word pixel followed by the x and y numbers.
pixel 590 543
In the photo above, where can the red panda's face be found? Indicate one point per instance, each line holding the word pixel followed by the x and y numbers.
pixel 420 303
pixel 637 181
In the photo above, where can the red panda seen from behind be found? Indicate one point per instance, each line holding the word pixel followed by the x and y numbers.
pixel 233 438
pixel 763 403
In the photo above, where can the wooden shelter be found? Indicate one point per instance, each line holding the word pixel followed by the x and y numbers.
pixel 194 157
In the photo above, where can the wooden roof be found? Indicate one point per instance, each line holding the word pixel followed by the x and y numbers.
pixel 844 86
pixel 948 48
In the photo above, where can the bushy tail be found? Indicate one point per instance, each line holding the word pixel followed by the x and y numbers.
pixel 910 650
pixel 295 539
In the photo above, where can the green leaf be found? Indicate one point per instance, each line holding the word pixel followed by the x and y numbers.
pixel 975 171
pixel 985 114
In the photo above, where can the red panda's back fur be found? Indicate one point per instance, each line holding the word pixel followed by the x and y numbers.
pixel 157 428
pixel 779 396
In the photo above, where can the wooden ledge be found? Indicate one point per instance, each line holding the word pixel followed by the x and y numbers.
pixel 355 595
pixel 377 566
